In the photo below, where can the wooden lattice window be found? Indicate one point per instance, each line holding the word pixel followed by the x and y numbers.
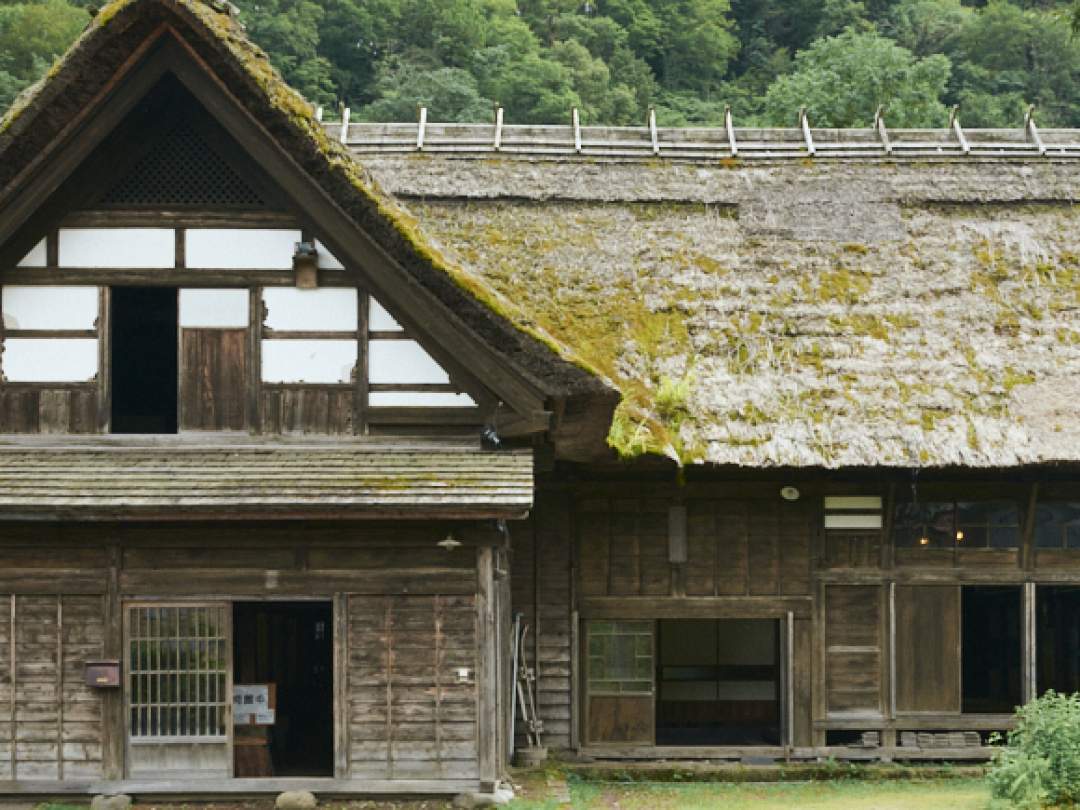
pixel 620 657
pixel 178 671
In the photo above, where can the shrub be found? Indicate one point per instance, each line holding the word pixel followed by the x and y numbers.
pixel 1040 764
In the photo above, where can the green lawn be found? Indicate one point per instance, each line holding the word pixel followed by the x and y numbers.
pixel 839 795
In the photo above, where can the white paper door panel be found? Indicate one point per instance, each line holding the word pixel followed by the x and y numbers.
pixel 37 257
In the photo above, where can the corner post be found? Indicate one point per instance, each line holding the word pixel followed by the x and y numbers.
pixel 486 669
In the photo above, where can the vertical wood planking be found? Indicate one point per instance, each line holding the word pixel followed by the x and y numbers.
pixel 213 375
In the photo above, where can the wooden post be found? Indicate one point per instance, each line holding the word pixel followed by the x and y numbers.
pixel 882 131
pixel 421 128
pixel 14 683
pixel 112 709
pixel 1032 131
pixel 485 671
pixel 345 125
pixel 954 125
pixel 730 128
pixel 59 687
pixel 804 125
pixel 1030 687
pixel 1027 541
pixel 341 686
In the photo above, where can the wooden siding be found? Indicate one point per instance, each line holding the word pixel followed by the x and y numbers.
pixel 734 548
pixel 302 410
pixel 40 408
pixel 54 719
pixel 409 713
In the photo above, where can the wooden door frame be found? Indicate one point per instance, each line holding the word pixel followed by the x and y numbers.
pixel 165 602
pixel 339 667
pixel 785 626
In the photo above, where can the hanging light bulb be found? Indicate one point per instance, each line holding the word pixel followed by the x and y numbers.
pixel 959 537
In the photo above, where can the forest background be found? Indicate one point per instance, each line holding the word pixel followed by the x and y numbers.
pixel 613 59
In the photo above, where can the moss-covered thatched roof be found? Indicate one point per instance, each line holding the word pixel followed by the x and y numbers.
pixel 42 117
pixel 791 313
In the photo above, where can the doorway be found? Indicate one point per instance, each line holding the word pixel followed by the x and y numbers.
pixel 718 682
pixel 143 354
pixel 283 669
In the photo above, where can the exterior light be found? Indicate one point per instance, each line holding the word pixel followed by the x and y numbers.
pixel 959 537
pixel 789 493
pixel 924 541
pixel 305 262
pixel 450 543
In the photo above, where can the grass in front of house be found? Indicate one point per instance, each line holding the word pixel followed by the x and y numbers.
pixel 839 795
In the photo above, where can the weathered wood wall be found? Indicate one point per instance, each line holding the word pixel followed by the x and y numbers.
pixel 53 718
pixel 412 701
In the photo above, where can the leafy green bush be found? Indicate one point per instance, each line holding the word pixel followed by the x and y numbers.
pixel 1040 765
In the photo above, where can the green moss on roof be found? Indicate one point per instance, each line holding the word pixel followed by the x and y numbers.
pixel 773 351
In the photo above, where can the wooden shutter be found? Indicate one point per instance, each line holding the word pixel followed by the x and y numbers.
pixel 213 379
pixel 927 648
pixel 853 649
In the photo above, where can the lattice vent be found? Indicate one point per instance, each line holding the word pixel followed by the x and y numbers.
pixel 182 170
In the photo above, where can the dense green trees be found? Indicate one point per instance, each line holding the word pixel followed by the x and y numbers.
pixel 613 59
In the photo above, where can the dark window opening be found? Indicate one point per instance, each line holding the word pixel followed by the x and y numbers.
pixel 719 682
pixel 991 649
pixel 288 645
pixel 963 524
pixel 1057 525
pixel 143 359
pixel 1057 633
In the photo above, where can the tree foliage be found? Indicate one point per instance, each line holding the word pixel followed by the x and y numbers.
pixel 614 59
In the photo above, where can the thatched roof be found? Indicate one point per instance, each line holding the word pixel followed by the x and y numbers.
pixel 790 312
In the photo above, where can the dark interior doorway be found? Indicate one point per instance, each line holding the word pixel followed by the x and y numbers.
pixel 991 649
pixel 288 645
pixel 718 682
pixel 144 359
pixel 1057 634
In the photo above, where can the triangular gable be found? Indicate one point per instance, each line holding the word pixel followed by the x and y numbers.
pixel 133 44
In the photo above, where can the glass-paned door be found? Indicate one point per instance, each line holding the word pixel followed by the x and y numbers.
pixel 177 692
pixel 620 695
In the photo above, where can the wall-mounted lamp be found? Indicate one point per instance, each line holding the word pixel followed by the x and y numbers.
pixel 305 262
pixel 450 543
pixel 789 493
